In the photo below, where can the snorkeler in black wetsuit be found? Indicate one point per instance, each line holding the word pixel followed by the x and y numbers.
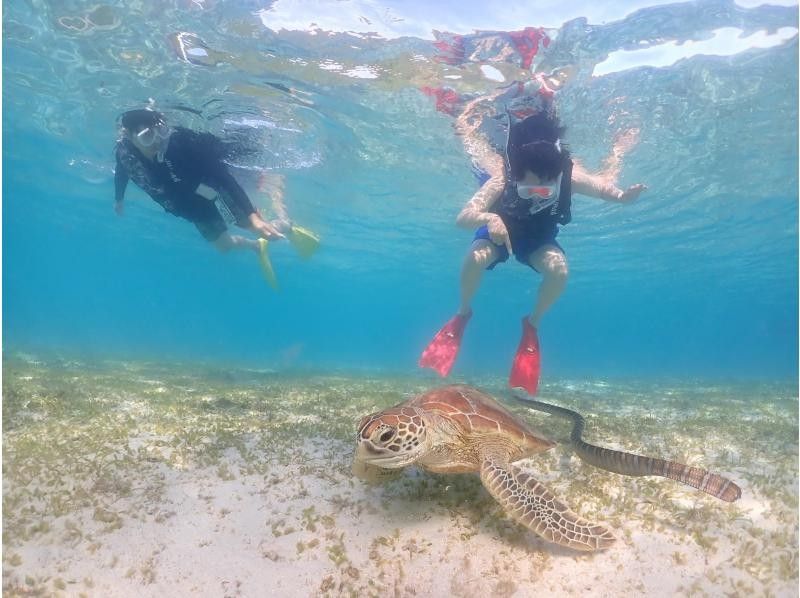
pixel 184 172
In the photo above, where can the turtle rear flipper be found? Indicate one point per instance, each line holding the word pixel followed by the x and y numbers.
pixel 529 502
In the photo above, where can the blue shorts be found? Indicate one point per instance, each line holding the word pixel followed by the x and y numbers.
pixel 481 175
pixel 523 242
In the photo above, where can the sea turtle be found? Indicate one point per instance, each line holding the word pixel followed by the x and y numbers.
pixel 457 428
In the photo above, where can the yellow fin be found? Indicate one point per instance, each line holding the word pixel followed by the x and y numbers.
pixel 266 265
pixel 304 241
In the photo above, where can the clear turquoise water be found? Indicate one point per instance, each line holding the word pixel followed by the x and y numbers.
pixel 697 279
pixel 130 343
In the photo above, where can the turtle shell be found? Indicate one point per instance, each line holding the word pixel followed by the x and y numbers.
pixel 478 413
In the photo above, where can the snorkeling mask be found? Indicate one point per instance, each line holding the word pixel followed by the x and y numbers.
pixel 544 192
pixel 154 134
pixel 541 196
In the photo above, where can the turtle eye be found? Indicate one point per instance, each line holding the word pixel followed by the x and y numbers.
pixel 386 436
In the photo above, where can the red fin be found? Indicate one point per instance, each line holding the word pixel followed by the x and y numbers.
pixel 440 354
pixel 527 364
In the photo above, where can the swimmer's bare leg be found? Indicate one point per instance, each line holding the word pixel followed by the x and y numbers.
pixel 274 185
pixel 227 242
pixel 551 263
pixel 479 257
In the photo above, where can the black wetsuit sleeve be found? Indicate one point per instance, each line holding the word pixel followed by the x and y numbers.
pixel 120 180
pixel 225 182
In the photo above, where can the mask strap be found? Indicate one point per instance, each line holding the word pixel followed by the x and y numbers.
pixel 508 141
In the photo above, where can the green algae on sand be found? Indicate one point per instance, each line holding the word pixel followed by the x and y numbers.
pixel 134 478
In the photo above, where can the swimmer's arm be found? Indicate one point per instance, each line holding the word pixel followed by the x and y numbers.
pixel 476 110
pixel 596 186
pixel 468 125
pixel 224 181
pixel 273 185
pixel 476 212
pixel 120 183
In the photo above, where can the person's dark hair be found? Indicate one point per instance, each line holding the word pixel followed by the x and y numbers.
pixel 213 148
pixel 134 120
pixel 534 144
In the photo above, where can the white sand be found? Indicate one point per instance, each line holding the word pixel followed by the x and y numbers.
pixel 309 528
pixel 155 482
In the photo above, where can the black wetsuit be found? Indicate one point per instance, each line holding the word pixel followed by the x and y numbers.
pixel 186 182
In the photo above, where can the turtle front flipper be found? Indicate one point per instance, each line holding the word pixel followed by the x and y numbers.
pixel 534 506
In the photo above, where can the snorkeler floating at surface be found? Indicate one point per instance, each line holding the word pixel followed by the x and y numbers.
pixel 527 179
pixel 184 172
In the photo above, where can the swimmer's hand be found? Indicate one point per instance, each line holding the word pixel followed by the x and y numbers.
pixel 264 229
pixel 498 232
pixel 268 231
pixel 119 208
pixel 631 194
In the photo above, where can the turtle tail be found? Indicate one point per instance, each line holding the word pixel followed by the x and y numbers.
pixel 638 465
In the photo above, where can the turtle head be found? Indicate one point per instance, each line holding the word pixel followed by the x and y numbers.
pixel 391 439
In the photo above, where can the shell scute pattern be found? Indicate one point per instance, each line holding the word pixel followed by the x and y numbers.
pixel 459 429
pixel 476 412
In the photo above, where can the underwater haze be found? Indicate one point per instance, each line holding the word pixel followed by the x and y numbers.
pixel 698 278
pixel 152 383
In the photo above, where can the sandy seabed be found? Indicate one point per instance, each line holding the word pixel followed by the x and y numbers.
pixel 132 479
